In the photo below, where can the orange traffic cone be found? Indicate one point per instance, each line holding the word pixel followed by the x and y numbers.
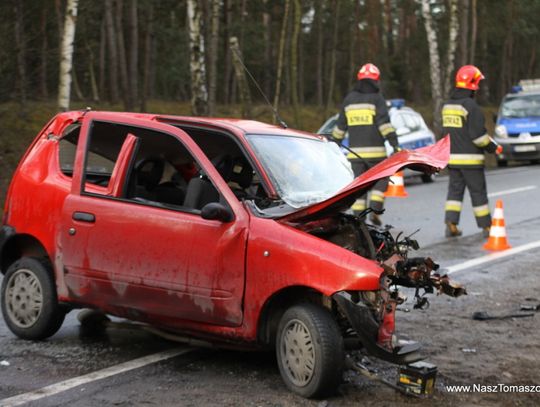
pixel 497 232
pixel 396 186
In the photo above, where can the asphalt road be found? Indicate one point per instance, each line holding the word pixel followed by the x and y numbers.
pixel 74 364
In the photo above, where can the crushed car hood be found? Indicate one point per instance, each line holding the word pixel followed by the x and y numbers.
pixel 428 159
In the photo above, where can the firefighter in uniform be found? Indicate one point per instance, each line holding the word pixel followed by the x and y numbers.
pixel 463 119
pixel 365 116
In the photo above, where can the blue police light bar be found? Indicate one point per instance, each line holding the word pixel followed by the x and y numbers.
pixel 397 103
pixel 516 89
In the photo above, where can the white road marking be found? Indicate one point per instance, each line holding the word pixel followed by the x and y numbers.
pixel 511 191
pixel 491 257
pixel 91 377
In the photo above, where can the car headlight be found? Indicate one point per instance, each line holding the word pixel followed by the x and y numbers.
pixel 500 131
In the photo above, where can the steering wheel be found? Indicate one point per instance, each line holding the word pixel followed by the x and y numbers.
pixel 149 172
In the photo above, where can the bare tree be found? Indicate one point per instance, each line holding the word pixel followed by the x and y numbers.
pixel 472 55
pixel 212 57
pixel 241 79
pixel 148 40
pixel 320 50
pixel 435 70
pixel 294 59
pixel 267 33
pixel 452 44
pixel 44 92
pixel 133 25
pixel 464 32
pixel 66 60
pixel 332 74
pixel 280 54
pixel 199 93
pixel 20 44
pixel 122 61
pixel 113 54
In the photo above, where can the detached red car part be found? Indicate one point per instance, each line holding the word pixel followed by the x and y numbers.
pixel 232 231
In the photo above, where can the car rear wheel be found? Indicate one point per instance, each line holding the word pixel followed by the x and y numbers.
pixel 309 350
pixel 29 303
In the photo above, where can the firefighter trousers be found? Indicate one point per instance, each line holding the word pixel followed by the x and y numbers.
pixel 475 181
pixel 376 195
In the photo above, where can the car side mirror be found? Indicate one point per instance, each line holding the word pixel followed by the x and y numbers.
pixel 216 211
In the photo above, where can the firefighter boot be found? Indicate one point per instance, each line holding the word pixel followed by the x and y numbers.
pixel 485 231
pixel 452 230
pixel 375 219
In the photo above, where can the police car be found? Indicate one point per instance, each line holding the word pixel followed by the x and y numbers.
pixel 410 127
pixel 517 126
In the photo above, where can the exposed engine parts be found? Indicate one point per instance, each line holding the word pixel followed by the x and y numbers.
pixel 377 243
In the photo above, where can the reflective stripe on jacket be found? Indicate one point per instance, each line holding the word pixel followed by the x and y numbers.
pixel 463 119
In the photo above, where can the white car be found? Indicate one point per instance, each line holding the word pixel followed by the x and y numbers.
pixel 410 127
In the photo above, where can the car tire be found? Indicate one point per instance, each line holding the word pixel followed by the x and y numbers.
pixel 29 302
pixel 427 178
pixel 502 163
pixel 309 349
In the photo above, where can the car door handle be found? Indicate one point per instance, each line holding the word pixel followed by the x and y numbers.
pixel 84 217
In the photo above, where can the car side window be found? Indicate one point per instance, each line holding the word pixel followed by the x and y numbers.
pixel 165 174
pixel 67 148
pixel 104 146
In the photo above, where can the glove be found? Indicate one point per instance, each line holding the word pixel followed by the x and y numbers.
pixel 499 149
pixel 397 149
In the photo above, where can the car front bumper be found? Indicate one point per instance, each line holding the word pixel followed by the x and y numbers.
pixel 360 317
pixel 518 150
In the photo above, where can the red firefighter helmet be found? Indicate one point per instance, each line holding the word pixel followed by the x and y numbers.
pixel 468 77
pixel 369 71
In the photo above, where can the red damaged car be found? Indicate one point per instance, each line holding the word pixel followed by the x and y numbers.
pixel 232 231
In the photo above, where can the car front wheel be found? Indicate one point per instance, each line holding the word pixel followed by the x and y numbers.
pixel 309 350
pixel 29 303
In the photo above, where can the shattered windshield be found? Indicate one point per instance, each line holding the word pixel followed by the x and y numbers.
pixel 304 170
pixel 522 106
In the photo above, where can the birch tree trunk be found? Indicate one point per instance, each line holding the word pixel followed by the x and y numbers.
pixel 199 92
pixel 280 54
pixel 212 57
pixel 435 70
pixel 452 44
pixel 66 52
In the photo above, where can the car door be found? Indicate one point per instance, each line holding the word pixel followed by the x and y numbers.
pixel 142 259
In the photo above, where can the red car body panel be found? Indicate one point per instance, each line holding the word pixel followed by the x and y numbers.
pixel 172 268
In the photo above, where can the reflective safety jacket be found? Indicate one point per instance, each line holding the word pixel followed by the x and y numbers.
pixel 365 115
pixel 463 119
